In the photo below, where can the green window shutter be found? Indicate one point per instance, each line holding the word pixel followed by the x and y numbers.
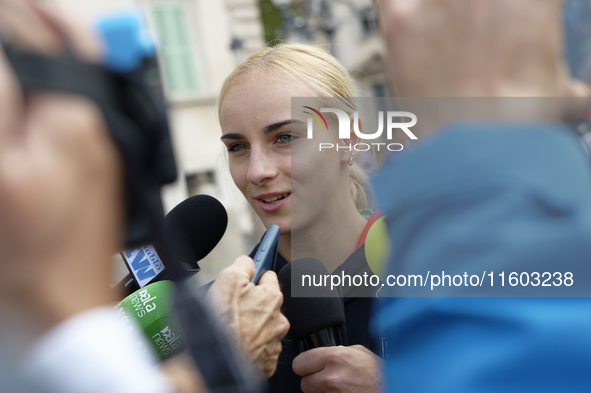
pixel 176 52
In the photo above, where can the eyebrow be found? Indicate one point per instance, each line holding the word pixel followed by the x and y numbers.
pixel 267 130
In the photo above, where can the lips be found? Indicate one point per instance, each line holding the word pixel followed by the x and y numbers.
pixel 275 198
pixel 272 202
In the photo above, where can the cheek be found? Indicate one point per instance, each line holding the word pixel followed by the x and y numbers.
pixel 309 162
pixel 285 166
pixel 238 173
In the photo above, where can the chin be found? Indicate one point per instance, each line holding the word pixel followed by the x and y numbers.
pixel 285 225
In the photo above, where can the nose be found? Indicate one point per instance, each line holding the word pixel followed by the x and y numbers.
pixel 261 166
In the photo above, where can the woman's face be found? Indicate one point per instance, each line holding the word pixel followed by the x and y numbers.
pixel 271 161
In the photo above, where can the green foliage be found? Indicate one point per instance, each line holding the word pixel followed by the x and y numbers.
pixel 272 22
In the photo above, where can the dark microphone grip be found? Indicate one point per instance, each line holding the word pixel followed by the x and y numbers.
pixel 328 337
pixel 315 313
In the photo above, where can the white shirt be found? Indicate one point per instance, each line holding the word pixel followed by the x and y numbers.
pixel 92 352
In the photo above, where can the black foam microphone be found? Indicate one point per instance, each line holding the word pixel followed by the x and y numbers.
pixel 193 228
pixel 315 312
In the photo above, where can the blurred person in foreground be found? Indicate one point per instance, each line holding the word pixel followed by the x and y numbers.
pixel 505 189
pixel 62 219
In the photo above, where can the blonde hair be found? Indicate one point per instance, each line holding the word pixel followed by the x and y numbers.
pixel 320 73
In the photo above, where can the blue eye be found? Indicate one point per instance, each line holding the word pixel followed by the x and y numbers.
pixel 236 147
pixel 285 137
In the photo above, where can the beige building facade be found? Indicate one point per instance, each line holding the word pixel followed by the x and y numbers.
pixel 200 42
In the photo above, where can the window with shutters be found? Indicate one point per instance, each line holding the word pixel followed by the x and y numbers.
pixel 176 49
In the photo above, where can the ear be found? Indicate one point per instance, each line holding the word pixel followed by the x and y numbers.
pixel 352 154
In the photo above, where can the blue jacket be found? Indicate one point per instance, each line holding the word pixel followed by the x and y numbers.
pixel 488 196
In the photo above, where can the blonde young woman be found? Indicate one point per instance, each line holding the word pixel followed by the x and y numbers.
pixel 313 196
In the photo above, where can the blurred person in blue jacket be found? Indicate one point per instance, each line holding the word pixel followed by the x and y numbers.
pixel 506 189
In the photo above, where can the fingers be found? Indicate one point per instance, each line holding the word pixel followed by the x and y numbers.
pixel 235 276
pixel 361 348
pixel 84 41
pixel 274 295
pixel 338 369
pixel 265 348
pixel 282 327
pixel 323 369
pixel 24 25
pixel 269 279
pixel 268 363
pixel 312 361
pixel 50 33
pixel 252 312
pixel 245 264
